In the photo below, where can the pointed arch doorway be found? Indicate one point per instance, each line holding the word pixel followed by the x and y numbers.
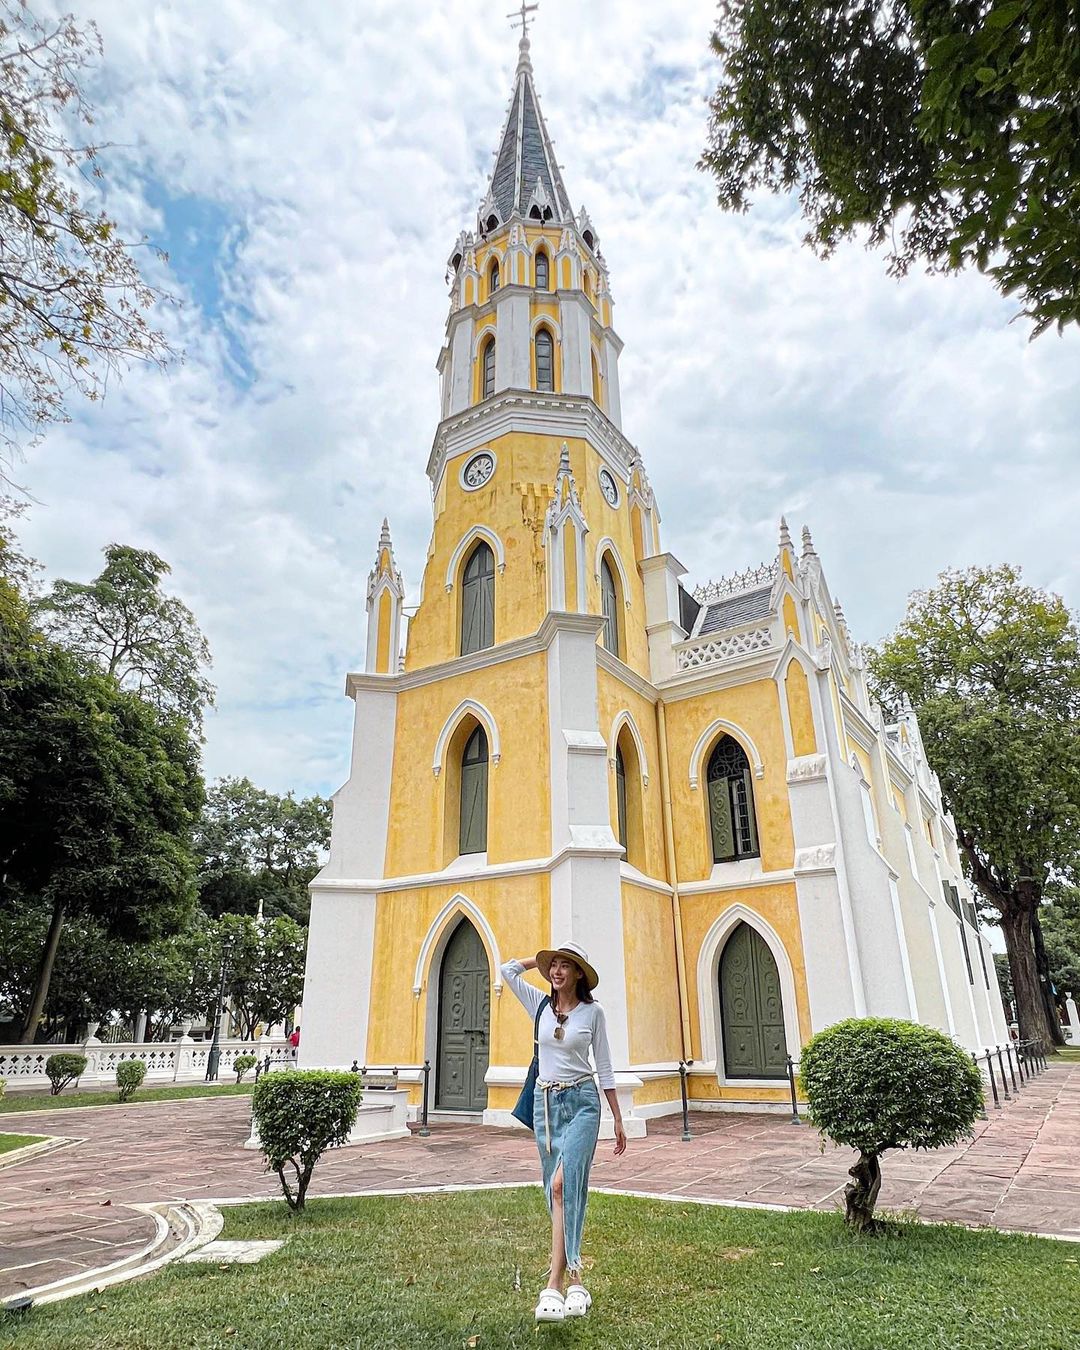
pixel 751 1008
pixel 464 1022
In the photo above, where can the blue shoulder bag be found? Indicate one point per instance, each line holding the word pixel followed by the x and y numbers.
pixel 523 1111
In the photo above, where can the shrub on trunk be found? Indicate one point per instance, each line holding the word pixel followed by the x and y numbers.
pixel 299 1114
pixel 876 1083
pixel 129 1075
pixel 63 1069
pixel 242 1064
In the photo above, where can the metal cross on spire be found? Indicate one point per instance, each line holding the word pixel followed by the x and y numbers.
pixel 519 18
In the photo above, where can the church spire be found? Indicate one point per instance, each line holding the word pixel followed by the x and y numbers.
pixel 526 177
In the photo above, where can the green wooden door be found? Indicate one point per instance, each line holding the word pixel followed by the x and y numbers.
pixel 751 1008
pixel 464 1021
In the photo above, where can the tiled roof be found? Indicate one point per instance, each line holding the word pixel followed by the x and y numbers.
pixel 525 157
pixel 736 609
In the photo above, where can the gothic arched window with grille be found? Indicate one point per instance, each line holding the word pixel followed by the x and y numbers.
pixel 493 278
pixel 545 361
pixel 542 274
pixel 472 829
pixel 731 803
pixel 620 794
pixel 489 368
pixel 478 601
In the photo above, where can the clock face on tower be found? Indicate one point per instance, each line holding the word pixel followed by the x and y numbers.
pixel 478 470
pixel 609 488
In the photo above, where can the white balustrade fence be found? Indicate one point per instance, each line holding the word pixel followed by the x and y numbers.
pixel 183 1061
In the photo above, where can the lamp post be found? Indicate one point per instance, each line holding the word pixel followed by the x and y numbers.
pixel 213 1059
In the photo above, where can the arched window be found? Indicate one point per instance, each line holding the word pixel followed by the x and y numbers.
pixel 489 368
pixel 472 823
pixel 731 803
pixel 478 601
pixel 493 278
pixel 543 281
pixel 609 603
pixel 597 388
pixel 620 794
pixel 545 360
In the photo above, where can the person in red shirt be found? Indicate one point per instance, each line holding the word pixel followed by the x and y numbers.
pixel 294 1041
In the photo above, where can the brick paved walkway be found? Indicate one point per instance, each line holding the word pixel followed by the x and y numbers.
pixel 67 1211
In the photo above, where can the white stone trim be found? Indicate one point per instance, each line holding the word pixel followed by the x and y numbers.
pixel 545 321
pixel 607 544
pixel 709 990
pixel 457 905
pixel 466 542
pixel 483 716
pixel 710 734
pixel 624 718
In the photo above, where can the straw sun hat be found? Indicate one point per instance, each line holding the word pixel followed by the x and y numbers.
pixel 572 952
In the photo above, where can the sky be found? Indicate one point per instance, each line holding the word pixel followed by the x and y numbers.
pixel 307 169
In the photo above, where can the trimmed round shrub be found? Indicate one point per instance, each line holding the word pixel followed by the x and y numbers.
pixel 299 1114
pixel 242 1064
pixel 129 1076
pixel 875 1083
pixel 63 1069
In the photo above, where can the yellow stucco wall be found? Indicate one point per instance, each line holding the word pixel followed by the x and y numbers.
pixel 513 505
pixel 517 909
pixel 755 708
pixel 652 991
pixel 800 713
pixel 519 815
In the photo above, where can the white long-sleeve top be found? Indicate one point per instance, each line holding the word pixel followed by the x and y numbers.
pixel 585 1029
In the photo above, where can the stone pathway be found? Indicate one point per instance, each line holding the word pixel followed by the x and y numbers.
pixel 68 1211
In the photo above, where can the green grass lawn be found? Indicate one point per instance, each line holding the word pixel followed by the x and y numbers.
pixel 10 1142
pixel 463 1270
pixel 42 1101
pixel 1069 1054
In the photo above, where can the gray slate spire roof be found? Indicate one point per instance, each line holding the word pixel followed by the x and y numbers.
pixel 526 176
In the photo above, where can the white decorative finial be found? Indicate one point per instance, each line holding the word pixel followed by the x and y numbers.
pixel 564 458
pixel 808 550
pixel 785 536
pixel 384 537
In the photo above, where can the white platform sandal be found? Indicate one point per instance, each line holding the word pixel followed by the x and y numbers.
pixel 578 1301
pixel 550 1306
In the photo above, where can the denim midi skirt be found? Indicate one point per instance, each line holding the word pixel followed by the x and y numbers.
pixel 574 1117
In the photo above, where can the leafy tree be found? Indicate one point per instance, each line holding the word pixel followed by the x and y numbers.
pixel 876 1083
pixel 264 964
pixel 255 845
pixel 98 796
pixel 1060 921
pixel 992 667
pixel 72 300
pixel 947 130
pixel 126 625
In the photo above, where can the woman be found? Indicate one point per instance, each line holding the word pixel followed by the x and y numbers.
pixel 566 1108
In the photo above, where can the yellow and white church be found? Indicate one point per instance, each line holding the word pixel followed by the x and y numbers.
pixel 570 742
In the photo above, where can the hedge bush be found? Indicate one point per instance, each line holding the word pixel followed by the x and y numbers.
pixel 3 1086
pixel 129 1075
pixel 241 1065
pixel 63 1069
pixel 876 1083
pixel 299 1114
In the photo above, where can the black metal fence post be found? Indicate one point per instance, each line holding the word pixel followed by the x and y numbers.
pixel 1019 1060
pixel 685 1100
pixel 794 1099
pixel 1004 1083
pixel 993 1085
pixel 423 1131
pixel 982 1109
pixel 1012 1070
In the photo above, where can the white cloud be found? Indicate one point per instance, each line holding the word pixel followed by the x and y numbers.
pixel 342 148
